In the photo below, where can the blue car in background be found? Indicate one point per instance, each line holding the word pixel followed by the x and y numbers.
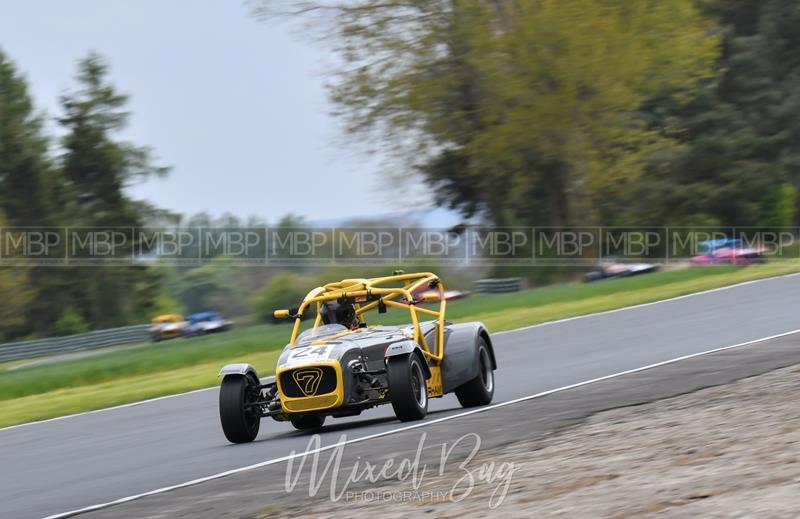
pixel 201 323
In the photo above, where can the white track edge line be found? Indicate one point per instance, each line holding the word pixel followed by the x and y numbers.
pixel 528 327
pixel 408 428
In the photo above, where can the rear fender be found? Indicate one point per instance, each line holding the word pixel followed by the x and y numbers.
pixel 460 364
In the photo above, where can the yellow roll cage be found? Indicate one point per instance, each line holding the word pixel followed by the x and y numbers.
pixel 369 294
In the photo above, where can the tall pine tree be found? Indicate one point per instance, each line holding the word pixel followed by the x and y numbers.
pixel 98 166
pixel 23 152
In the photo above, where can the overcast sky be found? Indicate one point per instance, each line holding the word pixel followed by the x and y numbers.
pixel 235 106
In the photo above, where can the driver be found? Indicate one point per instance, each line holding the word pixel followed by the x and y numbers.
pixel 334 312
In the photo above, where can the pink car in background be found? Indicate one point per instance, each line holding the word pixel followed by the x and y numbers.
pixel 727 251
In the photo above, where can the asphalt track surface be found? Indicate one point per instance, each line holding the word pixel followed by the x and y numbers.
pixel 262 493
pixel 68 464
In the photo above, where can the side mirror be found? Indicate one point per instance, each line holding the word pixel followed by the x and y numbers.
pixel 281 314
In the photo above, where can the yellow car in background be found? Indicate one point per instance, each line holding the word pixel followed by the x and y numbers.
pixel 168 326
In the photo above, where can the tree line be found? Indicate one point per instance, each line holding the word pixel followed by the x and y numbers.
pixel 575 112
pixel 77 178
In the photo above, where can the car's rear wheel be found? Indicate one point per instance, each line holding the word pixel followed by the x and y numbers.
pixel 308 421
pixel 239 417
pixel 408 389
pixel 479 390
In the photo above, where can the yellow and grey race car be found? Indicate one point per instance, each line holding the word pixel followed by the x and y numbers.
pixel 341 366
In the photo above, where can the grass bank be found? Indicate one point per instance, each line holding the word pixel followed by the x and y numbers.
pixel 44 391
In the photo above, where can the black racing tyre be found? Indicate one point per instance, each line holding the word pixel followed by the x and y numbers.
pixel 479 390
pixel 240 422
pixel 308 421
pixel 408 390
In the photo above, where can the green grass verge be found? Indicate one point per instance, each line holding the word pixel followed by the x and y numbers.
pixel 115 392
pixel 44 391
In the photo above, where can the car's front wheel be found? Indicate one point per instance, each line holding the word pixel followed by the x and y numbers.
pixel 408 389
pixel 479 390
pixel 239 416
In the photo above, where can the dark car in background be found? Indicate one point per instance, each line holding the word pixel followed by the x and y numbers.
pixel 613 269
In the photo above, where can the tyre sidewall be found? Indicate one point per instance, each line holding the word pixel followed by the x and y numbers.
pixel 405 402
pixel 475 392
pixel 236 424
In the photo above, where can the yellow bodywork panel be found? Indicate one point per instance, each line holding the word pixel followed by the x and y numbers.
pixel 168 318
pixel 435 386
pixel 312 401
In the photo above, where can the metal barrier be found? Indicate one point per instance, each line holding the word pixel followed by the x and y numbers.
pixel 498 285
pixel 79 342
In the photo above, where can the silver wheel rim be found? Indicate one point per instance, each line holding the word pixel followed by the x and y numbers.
pixel 418 385
pixel 487 375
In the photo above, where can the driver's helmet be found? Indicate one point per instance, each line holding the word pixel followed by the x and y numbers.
pixel 334 312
